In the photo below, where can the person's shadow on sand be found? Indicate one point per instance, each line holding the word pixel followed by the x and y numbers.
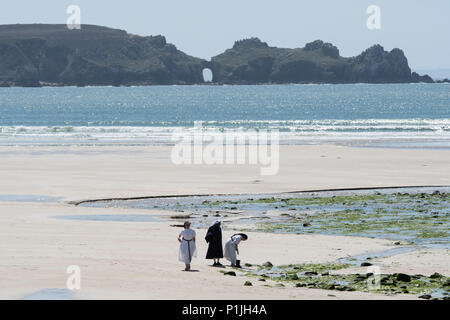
pixel 190 270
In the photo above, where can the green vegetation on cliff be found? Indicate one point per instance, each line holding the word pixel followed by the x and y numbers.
pixel 252 61
pixel 39 54
pixel 43 54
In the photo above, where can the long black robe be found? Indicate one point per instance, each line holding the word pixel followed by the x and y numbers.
pixel 214 238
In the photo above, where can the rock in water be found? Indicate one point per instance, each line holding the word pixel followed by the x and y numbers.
pixel 51 54
pixel 421 79
pixel 293 277
pixel 252 61
pixel 403 277
pixel 361 277
pixel 330 287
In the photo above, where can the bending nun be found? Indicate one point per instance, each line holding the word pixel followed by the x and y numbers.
pixel 232 249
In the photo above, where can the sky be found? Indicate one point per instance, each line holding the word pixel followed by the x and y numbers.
pixel 205 28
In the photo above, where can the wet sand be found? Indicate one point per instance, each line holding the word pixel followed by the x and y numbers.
pixel 138 260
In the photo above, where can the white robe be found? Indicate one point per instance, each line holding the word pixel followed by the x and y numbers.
pixel 188 249
pixel 231 247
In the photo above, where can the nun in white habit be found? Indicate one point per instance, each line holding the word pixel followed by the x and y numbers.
pixel 188 248
pixel 232 249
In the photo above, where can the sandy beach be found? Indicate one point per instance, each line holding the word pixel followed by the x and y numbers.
pixel 304 144
pixel 136 260
pixel 75 173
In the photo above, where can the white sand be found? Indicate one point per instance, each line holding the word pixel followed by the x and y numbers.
pixel 97 172
pixel 138 260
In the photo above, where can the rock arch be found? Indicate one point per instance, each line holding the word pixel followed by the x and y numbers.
pixel 207 74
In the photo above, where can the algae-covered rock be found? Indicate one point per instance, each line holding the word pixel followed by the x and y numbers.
pixel 293 277
pixel 402 277
pixel 341 288
pixel 248 284
pixel 361 277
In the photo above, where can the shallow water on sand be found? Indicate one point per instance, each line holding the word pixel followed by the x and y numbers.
pixel 50 294
pixel 417 216
pixel 113 217
pixel 28 198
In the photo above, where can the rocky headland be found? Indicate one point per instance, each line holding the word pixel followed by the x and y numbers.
pixel 52 55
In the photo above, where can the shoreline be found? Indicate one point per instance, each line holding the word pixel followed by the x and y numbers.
pixel 135 260
pixel 100 248
pixel 118 264
pixel 103 172
pixel 222 84
pixel 79 202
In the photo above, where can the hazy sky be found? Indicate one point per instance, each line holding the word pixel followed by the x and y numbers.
pixel 204 28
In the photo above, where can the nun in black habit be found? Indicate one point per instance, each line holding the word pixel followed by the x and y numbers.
pixel 214 239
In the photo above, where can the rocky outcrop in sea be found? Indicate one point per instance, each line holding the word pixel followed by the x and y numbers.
pixel 52 55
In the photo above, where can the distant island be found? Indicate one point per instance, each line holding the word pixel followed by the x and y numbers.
pixel 33 55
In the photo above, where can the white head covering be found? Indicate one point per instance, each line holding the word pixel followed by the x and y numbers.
pixel 214 223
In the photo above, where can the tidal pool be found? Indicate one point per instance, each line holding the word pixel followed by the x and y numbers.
pixel 415 217
pixel 113 217
pixel 321 276
pixel 418 216
pixel 28 198
pixel 50 294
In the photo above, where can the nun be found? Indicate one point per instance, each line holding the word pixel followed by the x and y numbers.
pixel 232 249
pixel 188 249
pixel 214 240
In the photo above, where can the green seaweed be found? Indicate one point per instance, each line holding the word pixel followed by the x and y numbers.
pixel 318 276
pixel 414 222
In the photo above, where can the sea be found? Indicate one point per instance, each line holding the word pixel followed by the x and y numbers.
pixel 358 115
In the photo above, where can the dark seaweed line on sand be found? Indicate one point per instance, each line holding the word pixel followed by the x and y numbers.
pixel 77 203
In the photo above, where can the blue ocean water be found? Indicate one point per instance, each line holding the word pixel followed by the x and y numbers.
pixel 408 115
